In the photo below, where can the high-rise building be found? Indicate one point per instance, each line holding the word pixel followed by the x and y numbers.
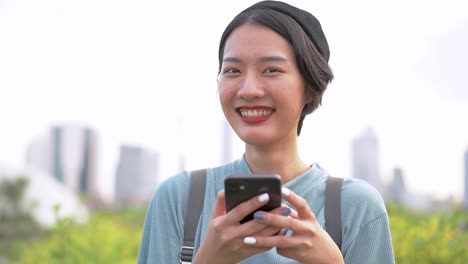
pixel 69 153
pixel 136 177
pixel 39 154
pixel 397 190
pixel 365 158
pixel 465 199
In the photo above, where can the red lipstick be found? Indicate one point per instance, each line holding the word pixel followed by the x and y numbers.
pixel 254 114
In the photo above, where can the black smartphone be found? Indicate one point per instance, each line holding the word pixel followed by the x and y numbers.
pixel 239 188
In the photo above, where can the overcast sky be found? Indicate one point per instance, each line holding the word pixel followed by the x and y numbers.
pixel 144 72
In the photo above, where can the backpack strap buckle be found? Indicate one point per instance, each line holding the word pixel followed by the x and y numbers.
pixel 186 254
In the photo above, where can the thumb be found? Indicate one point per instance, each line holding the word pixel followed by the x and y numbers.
pixel 220 205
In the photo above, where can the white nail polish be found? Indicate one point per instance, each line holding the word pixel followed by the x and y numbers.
pixel 264 197
pixel 285 191
pixel 250 240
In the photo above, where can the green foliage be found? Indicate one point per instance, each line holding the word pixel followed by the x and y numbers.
pixel 108 237
pixel 114 237
pixel 13 207
pixel 16 221
pixel 429 238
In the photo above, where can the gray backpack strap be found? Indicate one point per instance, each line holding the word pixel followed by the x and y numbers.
pixel 333 209
pixel 194 208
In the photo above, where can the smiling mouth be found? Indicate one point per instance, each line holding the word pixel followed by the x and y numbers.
pixel 257 112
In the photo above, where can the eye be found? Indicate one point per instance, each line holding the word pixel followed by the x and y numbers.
pixel 231 71
pixel 271 70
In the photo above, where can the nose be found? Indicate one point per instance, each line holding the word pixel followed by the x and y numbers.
pixel 252 87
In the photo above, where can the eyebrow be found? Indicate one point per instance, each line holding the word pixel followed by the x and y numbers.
pixel 262 59
pixel 271 58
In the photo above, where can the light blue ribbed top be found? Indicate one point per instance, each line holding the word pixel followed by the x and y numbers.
pixel 365 226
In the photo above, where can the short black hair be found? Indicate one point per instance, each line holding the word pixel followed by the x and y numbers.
pixel 313 67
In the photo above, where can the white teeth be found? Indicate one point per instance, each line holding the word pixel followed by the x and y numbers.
pixel 255 113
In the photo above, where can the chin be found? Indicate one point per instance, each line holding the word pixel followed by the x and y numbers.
pixel 256 138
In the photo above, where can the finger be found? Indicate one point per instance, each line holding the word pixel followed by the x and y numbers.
pixel 220 205
pixel 247 207
pixel 248 250
pixel 303 209
pixel 284 210
pixel 293 212
pixel 266 231
pixel 272 241
pixel 283 232
pixel 251 228
pixel 279 221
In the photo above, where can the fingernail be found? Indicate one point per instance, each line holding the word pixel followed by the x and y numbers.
pixel 264 197
pixel 285 191
pixel 285 211
pixel 250 240
pixel 259 216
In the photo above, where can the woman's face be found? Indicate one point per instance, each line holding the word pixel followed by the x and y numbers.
pixel 260 88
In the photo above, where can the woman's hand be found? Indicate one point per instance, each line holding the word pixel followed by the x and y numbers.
pixel 224 241
pixel 270 230
pixel 309 243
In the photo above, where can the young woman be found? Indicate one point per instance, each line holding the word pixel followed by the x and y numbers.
pixel 273 70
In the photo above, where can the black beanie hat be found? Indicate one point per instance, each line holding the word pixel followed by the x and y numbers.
pixel 306 20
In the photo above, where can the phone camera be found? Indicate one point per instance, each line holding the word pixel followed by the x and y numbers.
pixel 236 187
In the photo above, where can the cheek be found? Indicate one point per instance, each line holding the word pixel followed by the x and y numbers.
pixel 222 96
pixel 293 101
pixel 226 93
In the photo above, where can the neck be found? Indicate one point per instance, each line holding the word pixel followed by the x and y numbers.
pixel 283 160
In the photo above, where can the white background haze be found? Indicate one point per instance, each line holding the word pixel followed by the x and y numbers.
pixel 139 71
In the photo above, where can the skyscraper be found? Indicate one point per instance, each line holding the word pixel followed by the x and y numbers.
pixel 397 190
pixel 365 158
pixel 465 199
pixel 136 176
pixel 69 153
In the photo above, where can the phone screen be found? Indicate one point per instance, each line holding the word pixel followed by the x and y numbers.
pixel 242 187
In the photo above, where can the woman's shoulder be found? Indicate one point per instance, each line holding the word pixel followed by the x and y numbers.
pixel 173 186
pixel 361 200
pixel 178 185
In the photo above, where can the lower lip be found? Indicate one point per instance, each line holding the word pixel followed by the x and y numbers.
pixel 254 119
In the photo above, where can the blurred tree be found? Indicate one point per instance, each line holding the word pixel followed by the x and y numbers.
pixel 12 192
pixel 16 221
pixel 108 237
pixel 428 237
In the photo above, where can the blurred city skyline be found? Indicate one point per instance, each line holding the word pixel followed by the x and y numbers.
pixel 139 76
pixel 68 155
